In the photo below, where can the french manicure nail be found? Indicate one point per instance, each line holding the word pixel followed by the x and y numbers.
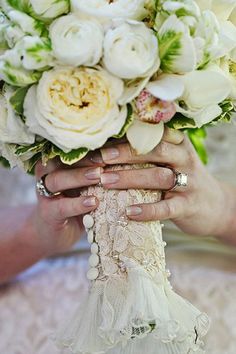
pixel 110 153
pixel 134 211
pixel 89 202
pixel 93 173
pixel 97 158
pixel 109 178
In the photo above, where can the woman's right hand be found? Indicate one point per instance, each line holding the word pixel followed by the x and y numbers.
pixel 58 220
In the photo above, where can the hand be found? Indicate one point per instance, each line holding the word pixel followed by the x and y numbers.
pixel 197 208
pixel 58 221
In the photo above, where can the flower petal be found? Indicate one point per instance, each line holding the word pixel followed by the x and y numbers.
pixel 167 87
pixel 144 137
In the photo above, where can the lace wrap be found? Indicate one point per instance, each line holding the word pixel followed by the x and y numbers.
pixel 131 307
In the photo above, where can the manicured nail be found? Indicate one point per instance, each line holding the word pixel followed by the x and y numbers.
pixel 109 178
pixel 110 153
pixel 89 202
pixel 97 158
pixel 134 211
pixel 94 173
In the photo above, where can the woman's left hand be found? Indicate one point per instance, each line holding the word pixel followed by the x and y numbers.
pixel 196 208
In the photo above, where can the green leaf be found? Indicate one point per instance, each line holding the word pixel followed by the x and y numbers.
pixel 4 162
pixel 71 157
pixel 31 163
pixel 228 109
pixel 197 137
pixel 169 48
pixel 17 99
pixel 179 121
pixel 34 148
pixel 128 122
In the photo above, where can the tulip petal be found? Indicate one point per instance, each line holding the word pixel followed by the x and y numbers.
pixel 144 137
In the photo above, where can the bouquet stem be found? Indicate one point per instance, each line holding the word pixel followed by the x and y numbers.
pixel 131 307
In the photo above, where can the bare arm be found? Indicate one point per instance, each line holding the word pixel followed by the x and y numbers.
pixel 19 248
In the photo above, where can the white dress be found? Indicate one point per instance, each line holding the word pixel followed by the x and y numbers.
pixel 34 306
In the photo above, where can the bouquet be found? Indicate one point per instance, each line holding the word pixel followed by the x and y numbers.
pixel 77 73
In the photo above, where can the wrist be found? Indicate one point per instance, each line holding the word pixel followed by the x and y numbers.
pixel 226 230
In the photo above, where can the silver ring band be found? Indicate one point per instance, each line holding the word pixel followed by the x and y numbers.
pixel 181 180
pixel 42 189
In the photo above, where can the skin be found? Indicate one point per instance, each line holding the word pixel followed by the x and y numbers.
pixel 205 207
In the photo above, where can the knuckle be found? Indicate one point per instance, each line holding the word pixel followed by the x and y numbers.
pixel 162 150
pixel 52 182
pixel 169 210
pixel 152 212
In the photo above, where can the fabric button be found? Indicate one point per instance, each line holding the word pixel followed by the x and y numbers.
pixel 92 274
pixel 88 221
pixel 93 260
pixel 94 248
pixel 90 236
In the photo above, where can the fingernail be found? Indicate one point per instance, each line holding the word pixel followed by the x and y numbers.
pixel 89 202
pixel 93 173
pixel 109 178
pixel 110 153
pixel 97 158
pixel 133 211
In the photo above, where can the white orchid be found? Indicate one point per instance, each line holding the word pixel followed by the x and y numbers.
pixel 153 108
pixel 204 90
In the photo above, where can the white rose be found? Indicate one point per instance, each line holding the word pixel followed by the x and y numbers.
pixel 131 50
pixel 12 128
pixel 133 9
pixel 75 107
pixel 76 42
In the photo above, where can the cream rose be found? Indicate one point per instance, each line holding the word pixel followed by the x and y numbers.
pixel 131 50
pixel 133 9
pixel 75 41
pixel 75 107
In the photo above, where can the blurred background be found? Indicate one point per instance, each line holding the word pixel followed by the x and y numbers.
pixel 203 271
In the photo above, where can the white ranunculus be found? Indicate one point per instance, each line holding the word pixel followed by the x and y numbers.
pixel 132 9
pixel 76 41
pixel 130 50
pixel 221 8
pixel 204 90
pixel 12 129
pixel 49 9
pixel 81 109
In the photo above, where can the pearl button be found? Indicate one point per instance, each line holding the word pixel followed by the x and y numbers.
pixel 94 248
pixel 93 260
pixel 88 221
pixel 90 236
pixel 92 274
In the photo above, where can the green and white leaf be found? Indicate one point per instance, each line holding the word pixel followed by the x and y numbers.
pixel 17 76
pixel 129 121
pixel 17 99
pixel 176 47
pixel 71 157
pixel 179 121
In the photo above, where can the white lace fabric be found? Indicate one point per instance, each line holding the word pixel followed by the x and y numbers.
pixel 131 306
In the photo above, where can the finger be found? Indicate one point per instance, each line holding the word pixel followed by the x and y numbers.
pixel 41 170
pixel 169 209
pixel 164 153
pixel 173 136
pixel 62 180
pixel 61 209
pixel 151 178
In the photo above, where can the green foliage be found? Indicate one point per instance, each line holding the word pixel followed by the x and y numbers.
pixel 71 157
pixel 127 124
pixel 4 162
pixel 181 122
pixel 17 99
pixel 197 137
pixel 169 48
